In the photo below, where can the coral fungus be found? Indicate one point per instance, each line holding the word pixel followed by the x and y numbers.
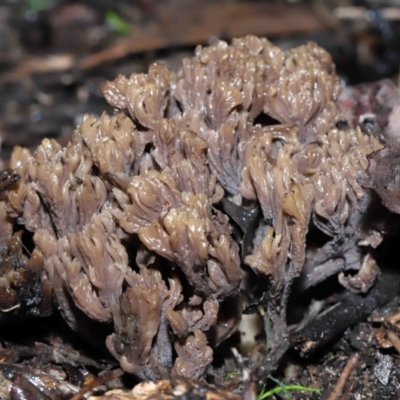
pixel 127 218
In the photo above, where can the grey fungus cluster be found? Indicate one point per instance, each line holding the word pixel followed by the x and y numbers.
pixel 126 219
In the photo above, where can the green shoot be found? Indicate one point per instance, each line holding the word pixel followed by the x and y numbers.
pixel 232 373
pixel 280 384
pixel 279 389
pixel 116 23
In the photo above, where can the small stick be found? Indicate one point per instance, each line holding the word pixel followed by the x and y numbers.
pixel 349 389
pixel 107 377
pixel 337 390
pixel 352 309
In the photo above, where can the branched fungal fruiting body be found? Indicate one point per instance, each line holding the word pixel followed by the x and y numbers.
pixel 127 219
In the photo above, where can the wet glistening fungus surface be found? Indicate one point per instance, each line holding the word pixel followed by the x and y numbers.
pixel 136 224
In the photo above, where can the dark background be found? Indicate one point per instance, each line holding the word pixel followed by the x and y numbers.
pixel 55 54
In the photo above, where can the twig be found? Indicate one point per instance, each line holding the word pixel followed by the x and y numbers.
pixel 337 390
pixel 40 65
pixel 349 389
pixel 361 13
pixel 189 26
pixel 353 309
pixel 271 362
pixel 107 377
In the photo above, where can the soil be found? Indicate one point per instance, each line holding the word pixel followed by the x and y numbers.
pixel 54 57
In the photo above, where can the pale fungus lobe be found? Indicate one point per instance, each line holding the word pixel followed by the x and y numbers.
pixel 127 221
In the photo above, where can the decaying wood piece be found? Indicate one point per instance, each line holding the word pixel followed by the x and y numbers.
pixel 352 309
pixel 383 174
pixel 375 107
